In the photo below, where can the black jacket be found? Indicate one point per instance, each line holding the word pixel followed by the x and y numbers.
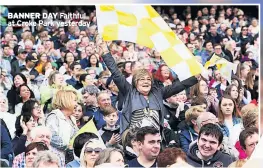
pixel 219 159
pixel 131 95
pixel 106 134
pixel 170 115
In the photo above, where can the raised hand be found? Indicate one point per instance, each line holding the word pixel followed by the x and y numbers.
pixel 23 125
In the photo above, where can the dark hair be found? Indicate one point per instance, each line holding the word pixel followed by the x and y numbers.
pixel 19 129
pixel 206 42
pixel 245 134
pixel 39 145
pixel 16 48
pixel 169 156
pixel 65 60
pixel 140 135
pixel 89 64
pixel 72 66
pixel 19 89
pixel 199 100
pixel 217 44
pixel 5 46
pixel 221 117
pixel 82 77
pixel 80 140
pixel 22 76
pixel 213 130
pixel 124 65
pixel 28 106
pixel 234 77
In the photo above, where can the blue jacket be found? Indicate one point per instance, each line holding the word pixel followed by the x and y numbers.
pixel 224 128
pixel 84 63
pixel 187 136
pixel 6 144
pixel 74 163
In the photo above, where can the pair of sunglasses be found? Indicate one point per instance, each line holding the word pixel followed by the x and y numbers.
pixel 90 150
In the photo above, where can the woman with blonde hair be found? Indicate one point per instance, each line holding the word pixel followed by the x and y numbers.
pixel 110 155
pixel 230 51
pixel 190 133
pixel 242 72
pixel 250 82
pixel 61 121
pixel 90 153
pixel 56 82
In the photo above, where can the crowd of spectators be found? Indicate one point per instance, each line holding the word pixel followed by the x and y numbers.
pixel 54 80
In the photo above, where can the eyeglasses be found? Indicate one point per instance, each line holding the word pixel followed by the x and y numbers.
pixel 90 150
pixel 244 29
pixel 37 107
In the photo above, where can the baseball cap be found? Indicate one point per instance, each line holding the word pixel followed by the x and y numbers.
pixel 32 57
pixel 22 51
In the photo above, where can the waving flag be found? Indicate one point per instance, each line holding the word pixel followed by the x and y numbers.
pixel 141 24
pixel 88 127
pixel 225 67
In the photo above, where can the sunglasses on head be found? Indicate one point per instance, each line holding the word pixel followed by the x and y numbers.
pixel 90 150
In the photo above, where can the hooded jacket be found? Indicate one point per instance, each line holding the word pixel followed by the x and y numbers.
pixel 170 115
pixel 219 159
pixel 134 101
pixel 106 133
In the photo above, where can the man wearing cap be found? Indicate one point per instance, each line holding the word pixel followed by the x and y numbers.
pixel 18 62
pixel 31 61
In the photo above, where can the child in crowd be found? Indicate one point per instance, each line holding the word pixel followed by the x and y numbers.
pixel 110 133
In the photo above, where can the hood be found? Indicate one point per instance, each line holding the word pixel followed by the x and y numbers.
pixel 192 155
pixel 116 128
pixel 170 106
pixel 171 109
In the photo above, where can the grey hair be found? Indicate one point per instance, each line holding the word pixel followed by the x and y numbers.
pixel 91 89
pixel 3 97
pixel 34 132
pixel 46 157
pixel 105 156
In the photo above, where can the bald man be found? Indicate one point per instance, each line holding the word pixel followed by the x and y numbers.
pixel 205 118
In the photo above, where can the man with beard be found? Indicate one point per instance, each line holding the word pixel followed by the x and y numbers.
pixel 31 60
pixel 206 152
pixel 149 142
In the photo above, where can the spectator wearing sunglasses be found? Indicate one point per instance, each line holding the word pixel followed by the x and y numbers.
pixel 90 152
pixel 78 144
